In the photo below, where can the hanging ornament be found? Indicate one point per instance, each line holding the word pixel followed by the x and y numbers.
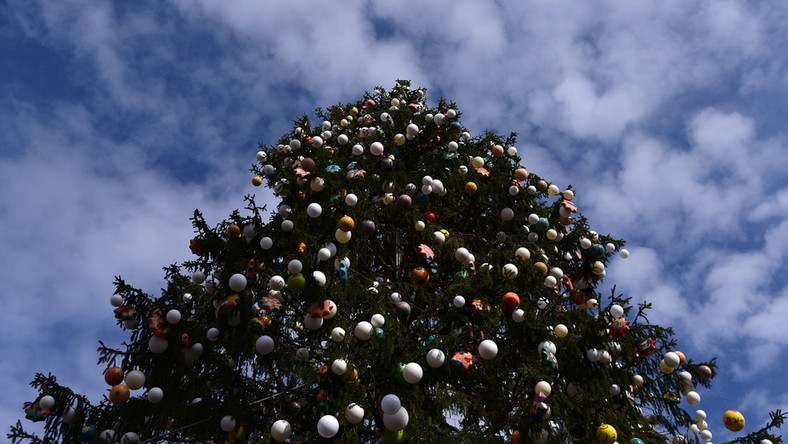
pixel 464 361
pixel 420 276
pixel 119 394
pixel 733 420
pixel 113 376
pixel 606 434
pixel 328 426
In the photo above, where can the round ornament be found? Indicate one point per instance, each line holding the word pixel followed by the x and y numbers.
pixel 471 188
pixel 354 414
pixel 412 373
pixel 390 404
pixel 227 423
pixel 339 367
pixel 510 301
pixel 113 376
pixel 119 394
pixel 435 358
pixel 155 395
pixel 158 345
pixel 561 331
pixel 264 345
pixel 281 430
pixel 314 210
pixel 733 420
pixel 173 316
pixel 543 387
pixel 488 349
pixel 420 276
pixel 364 330
pixel 396 421
pixel 46 402
pixel 518 315
pixel 606 434
pixel 458 301
pixel 693 398
pixel 338 334
pixel 378 320
pixel 129 438
pixel 135 379
pixel 509 271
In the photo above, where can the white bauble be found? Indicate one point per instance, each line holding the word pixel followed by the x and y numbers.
pixel 363 330
pixel 281 430
pixel 155 395
pixel 212 334
pixel 339 367
pixel 507 214
pixel 327 426
pixel 264 345
pixel 342 237
pixel 266 243
pixel 157 345
pixel 543 387
pixel 237 282
pixel 550 281
pixel 614 390
pixel 287 226
pixel 546 345
pixel 227 423
pixel 324 254
pixel 616 311
pixel 523 253
pixel 46 402
pixel 68 415
pixel 192 354
pixel 412 373
pixel 295 266
pixel 477 162
pixel 198 277
pixel 338 334
pixel 509 271
pixel 312 323
pixel 488 349
pixel 378 320
pixel 624 253
pixel 107 435
pixel 435 358
pixel 390 404
pixel 302 353
pixel 693 398
pixel 637 380
pixel 116 300
pixel 461 254
pixel 314 210
pixel 351 200
pixel 671 359
pixel 593 354
pixel 276 282
pixel 396 421
pixel 342 139
pixel 518 315
pixel 459 301
pixel 173 316
pixel 130 438
pixel 320 278
pixel 135 379
pixel 376 149
pixel 561 331
pixel 706 435
pixel 354 413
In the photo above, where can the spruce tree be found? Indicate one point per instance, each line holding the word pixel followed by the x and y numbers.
pixel 414 284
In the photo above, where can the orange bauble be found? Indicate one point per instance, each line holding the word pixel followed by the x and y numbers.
pixel 510 301
pixel 119 394
pixel 257 181
pixel 420 276
pixel 516 437
pixel 234 231
pixel 682 358
pixel 521 174
pixel 497 150
pixel 113 376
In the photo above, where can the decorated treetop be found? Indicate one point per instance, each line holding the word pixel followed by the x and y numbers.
pixel 415 283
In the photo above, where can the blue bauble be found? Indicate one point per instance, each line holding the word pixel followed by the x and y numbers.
pixel 637 441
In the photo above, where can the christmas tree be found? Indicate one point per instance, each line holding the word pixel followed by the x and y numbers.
pixel 415 284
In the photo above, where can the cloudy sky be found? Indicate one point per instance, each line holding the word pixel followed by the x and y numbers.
pixel 118 119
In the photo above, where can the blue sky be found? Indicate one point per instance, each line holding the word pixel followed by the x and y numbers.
pixel 118 119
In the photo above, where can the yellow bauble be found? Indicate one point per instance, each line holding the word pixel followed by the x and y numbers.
pixel 257 181
pixel 606 434
pixel 393 437
pixel 470 188
pixel 733 420
pixel 346 223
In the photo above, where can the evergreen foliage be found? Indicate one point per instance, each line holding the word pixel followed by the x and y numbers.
pixel 403 254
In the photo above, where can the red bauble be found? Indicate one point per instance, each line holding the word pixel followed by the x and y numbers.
pixel 510 301
pixel 430 217
pixel 234 231
pixel 113 376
